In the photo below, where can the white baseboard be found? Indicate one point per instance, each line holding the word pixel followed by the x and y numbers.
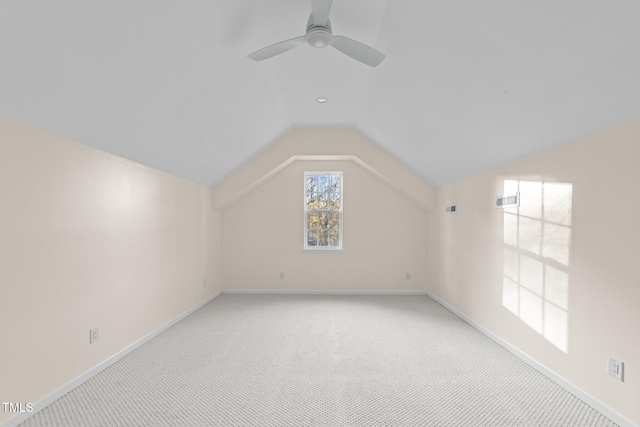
pixel 567 385
pixel 321 292
pixel 49 399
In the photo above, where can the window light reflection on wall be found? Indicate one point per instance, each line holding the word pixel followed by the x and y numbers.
pixel 537 244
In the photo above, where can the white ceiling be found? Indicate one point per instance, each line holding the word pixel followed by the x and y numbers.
pixel 466 86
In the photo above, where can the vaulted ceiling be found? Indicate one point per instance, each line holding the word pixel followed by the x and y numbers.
pixel 466 85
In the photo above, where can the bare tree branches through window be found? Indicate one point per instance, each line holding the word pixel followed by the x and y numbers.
pixel 323 210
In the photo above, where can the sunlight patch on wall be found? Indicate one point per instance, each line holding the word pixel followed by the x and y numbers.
pixel 537 245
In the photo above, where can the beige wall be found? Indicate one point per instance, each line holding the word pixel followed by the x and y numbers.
pixel 89 239
pixel 326 144
pixel 385 219
pixel 559 278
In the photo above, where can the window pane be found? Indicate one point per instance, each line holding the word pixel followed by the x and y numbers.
pixel 333 221
pixel 322 183
pixel 323 237
pixel 334 192
pixel 323 201
pixel 312 220
pixel 323 190
pixel 334 237
pixel 311 190
pixel 323 218
pixel 312 237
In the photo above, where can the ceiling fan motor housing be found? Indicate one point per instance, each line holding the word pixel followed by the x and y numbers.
pixel 318 35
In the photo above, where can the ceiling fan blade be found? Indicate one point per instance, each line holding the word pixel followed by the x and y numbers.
pixel 276 49
pixel 358 51
pixel 320 11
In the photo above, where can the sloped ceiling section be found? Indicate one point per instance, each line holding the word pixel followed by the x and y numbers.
pixel 466 85
pixel 494 81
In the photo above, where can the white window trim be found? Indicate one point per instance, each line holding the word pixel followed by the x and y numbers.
pixel 305 246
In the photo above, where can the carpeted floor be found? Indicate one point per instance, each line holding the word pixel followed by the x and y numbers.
pixel 316 360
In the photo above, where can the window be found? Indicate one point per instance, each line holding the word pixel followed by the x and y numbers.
pixel 323 210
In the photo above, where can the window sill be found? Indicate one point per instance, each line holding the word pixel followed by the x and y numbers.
pixel 322 248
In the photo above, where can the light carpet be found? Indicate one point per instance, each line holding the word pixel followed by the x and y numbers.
pixel 318 360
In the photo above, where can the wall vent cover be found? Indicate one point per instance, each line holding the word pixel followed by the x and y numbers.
pixel 450 209
pixel 508 201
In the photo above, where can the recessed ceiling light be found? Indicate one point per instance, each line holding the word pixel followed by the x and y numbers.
pixel 321 100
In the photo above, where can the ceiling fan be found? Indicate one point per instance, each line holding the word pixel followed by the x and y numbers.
pixel 319 35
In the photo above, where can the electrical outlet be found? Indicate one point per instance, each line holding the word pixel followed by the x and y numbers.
pixel 282 275
pixel 616 369
pixel 204 283
pixel 408 276
pixel 94 334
